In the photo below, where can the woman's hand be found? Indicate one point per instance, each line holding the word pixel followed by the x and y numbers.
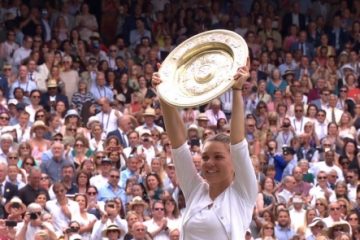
pixel 242 75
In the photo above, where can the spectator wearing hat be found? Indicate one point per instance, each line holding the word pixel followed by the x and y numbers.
pixel 113 232
pixel 23 82
pixel 297 212
pixel 149 117
pixel 69 77
pixel 316 227
pixel 111 217
pixel 102 179
pixel 108 116
pixel 289 64
pixel 285 163
pixel 337 228
pixel 15 208
pixel 51 96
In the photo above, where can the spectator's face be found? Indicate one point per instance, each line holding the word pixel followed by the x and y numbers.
pixel 34 179
pixel 152 182
pixel 158 210
pixel 57 151
pixel 329 157
pixel 334 210
pixel 5 144
pixel 138 231
pixel 298 112
pixel 60 192
pixel 23 72
pixel 68 173
pixel 114 178
pixel 283 219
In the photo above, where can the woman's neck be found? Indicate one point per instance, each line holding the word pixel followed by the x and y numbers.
pixel 217 188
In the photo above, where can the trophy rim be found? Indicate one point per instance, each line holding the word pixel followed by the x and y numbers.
pixel 220 41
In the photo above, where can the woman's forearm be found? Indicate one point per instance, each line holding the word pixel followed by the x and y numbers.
pixel 174 124
pixel 237 118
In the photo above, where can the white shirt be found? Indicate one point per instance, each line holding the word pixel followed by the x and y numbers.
pixel 84 222
pixel 98 181
pixel 99 227
pixel 317 192
pixel 61 222
pixel 299 125
pixel 22 136
pixel 324 167
pixel 300 218
pixel 109 121
pixel 152 227
pixel 233 208
pixel 321 129
pixel 31 230
pixel 19 55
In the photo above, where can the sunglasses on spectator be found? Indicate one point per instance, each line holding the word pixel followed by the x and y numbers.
pixel 92 193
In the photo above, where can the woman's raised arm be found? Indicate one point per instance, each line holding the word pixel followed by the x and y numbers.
pixel 174 125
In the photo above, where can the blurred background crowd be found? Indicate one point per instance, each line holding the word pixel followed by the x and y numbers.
pixel 84 153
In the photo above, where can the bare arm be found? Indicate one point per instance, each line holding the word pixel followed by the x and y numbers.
pixel 237 119
pixel 173 122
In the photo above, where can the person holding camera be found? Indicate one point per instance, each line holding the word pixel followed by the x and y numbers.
pixel 33 223
pixel 110 217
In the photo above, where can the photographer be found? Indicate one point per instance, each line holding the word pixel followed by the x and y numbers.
pixel 110 217
pixel 33 223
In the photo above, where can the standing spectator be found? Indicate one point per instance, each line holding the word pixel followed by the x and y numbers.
pixel 8 47
pixel 23 52
pixel 108 116
pixel 69 77
pixel 62 209
pixel 85 22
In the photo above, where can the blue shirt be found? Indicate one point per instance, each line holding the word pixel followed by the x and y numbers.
pixel 28 86
pixel 99 92
pixel 107 192
pixel 283 233
pixel 125 175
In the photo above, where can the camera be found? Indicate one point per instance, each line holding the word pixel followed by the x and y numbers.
pixel 33 216
pixel 146 139
pixel 10 223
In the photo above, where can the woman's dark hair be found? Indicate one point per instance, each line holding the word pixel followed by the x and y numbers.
pixel 84 173
pixel 350 107
pixel 42 192
pixel 176 211
pixel 350 141
pixel 157 177
pixel 26 158
pixel 82 195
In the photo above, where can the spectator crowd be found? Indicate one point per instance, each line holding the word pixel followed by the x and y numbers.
pixel 84 153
